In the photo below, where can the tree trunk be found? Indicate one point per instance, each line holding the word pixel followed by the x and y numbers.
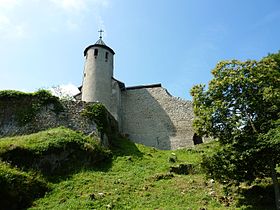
pixel 276 186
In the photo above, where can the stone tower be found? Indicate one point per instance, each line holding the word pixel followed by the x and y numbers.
pixel 98 73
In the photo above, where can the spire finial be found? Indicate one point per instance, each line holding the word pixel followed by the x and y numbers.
pixel 100 33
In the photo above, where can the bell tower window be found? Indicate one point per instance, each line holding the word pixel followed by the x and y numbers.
pixel 95 52
pixel 106 56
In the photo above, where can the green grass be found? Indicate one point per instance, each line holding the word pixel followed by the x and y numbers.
pixel 131 181
pixel 42 141
pixel 53 152
pixel 134 177
pixel 31 164
pixel 19 188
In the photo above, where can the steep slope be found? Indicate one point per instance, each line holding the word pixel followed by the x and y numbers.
pixel 63 169
pixel 31 163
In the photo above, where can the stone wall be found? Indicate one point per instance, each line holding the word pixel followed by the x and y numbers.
pixel 151 116
pixel 115 108
pixel 46 118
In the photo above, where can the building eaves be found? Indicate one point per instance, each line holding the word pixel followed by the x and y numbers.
pixel 121 84
pixel 143 86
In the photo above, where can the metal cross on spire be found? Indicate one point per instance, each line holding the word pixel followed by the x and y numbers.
pixel 100 33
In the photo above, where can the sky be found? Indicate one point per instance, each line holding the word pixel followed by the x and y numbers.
pixel 176 43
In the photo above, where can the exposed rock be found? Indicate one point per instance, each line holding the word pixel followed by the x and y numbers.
pixel 172 158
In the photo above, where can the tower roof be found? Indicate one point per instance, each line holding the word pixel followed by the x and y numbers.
pixel 99 43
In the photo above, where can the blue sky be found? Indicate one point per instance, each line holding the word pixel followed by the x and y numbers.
pixel 176 43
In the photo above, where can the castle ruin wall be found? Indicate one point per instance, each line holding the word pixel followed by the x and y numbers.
pixel 151 116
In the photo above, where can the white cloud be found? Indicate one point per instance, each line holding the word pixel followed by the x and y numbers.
pixel 101 3
pixel 71 5
pixel 9 4
pixel 71 14
pixel 73 26
pixel 9 29
pixel 100 23
pixel 65 90
pixel 76 10
pixel 20 31
pixel 80 5
pixel 4 21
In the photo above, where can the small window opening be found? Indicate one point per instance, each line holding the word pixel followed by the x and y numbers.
pixel 106 56
pixel 95 52
pixel 197 139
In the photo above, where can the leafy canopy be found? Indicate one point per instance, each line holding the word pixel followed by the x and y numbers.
pixel 240 108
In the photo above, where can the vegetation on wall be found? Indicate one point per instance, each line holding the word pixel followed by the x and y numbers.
pixel 24 106
pixel 241 108
pixel 98 113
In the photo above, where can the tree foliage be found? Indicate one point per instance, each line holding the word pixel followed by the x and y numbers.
pixel 241 108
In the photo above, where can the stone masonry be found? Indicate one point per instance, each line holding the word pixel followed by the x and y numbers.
pixel 153 117
pixel 46 118
pixel 146 114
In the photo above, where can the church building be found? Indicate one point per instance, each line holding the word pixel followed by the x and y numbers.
pixel 147 114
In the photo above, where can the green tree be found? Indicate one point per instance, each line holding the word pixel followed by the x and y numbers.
pixel 241 108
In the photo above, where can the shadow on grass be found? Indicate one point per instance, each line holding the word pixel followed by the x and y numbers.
pixel 119 147
pixel 57 164
pixel 257 198
pixel 124 147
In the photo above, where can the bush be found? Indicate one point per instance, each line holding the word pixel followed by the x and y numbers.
pixel 98 113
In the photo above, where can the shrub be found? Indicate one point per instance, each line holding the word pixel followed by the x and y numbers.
pixel 98 113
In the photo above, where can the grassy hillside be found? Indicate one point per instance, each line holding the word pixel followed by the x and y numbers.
pixel 62 169
pixel 31 164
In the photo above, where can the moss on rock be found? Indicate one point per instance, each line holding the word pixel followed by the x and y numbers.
pixel 24 106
